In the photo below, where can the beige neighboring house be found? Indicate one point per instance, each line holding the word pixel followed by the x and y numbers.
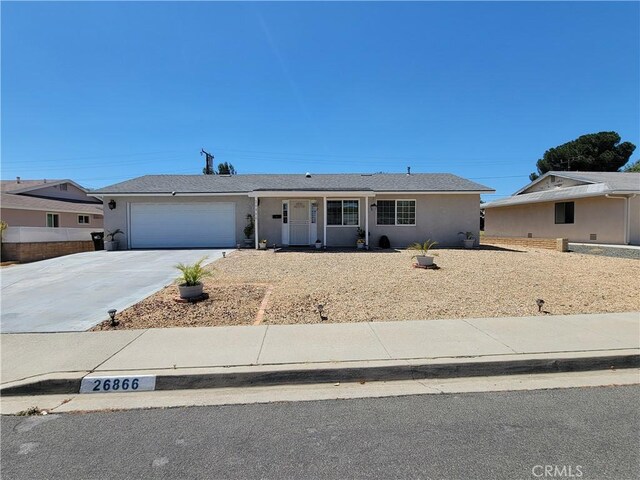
pixel 189 211
pixel 584 207
pixel 47 218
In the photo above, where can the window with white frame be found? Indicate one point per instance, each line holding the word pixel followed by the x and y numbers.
pixel 396 212
pixel 53 220
pixel 83 219
pixel 343 212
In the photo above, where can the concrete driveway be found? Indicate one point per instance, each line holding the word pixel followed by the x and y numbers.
pixel 73 293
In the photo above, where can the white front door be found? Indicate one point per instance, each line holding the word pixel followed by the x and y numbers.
pixel 299 222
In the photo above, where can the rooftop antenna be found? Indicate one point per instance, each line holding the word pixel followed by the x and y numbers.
pixel 408 170
pixel 208 169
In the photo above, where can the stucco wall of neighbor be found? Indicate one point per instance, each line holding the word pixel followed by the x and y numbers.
pixel 553 181
pixel 596 215
pixel 634 221
pixel 117 218
pixel 38 218
pixel 71 193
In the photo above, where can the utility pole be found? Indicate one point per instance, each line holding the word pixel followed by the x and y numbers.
pixel 208 169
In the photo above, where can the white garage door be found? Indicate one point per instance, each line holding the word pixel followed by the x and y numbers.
pixel 183 225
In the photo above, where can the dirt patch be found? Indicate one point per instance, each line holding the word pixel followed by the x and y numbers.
pixel 384 286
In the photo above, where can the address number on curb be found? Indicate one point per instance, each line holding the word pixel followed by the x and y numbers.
pixel 139 383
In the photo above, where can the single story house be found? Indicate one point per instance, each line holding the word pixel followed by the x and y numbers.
pixel 47 218
pixel 49 203
pixel 584 207
pixel 187 211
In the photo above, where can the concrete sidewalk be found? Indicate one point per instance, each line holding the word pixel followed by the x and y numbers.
pixel 28 358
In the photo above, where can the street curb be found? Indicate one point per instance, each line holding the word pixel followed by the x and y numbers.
pixel 176 381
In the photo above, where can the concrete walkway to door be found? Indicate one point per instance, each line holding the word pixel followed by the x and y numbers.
pixel 74 292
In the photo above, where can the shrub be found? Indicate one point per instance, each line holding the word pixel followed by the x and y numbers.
pixel 193 274
pixel 423 248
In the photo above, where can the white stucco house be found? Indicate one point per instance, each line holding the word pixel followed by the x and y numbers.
pixel 585 207
pixel 188 211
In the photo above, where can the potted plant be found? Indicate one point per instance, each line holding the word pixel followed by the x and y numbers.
pixel 262 244
pixel 191 279
pixel 469 239
pixel 318 244
pixel 248 231
pixel 423 257
pixel 361 236
pixel 111 244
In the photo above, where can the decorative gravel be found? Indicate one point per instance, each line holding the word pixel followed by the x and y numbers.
pixel 383 285
pixel 617 252
pixel 227 305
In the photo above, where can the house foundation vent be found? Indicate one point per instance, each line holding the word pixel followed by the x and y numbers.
pixel 529 235
pixel 593 236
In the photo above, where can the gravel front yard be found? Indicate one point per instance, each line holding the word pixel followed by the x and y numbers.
pixel 380 286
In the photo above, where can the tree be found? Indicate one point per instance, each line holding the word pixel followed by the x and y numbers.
pixel 595 152
pixel 632 167
pixel 226 169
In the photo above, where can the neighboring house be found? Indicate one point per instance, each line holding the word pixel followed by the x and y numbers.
pixel 178 211
pixel 47 218
pixel 595 207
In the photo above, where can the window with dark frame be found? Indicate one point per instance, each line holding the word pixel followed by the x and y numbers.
pixel 342 213
pixel 565 212
pixel 396 212
pixel 53 220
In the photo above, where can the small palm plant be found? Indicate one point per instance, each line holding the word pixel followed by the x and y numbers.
pixel 193 274
pixel 423 257
pixel 423 248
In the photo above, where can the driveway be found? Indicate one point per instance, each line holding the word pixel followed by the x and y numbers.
pixel 73 293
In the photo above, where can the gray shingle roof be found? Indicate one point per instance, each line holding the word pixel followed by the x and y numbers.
pixel 598 183
pixel 380 182
pixel 614 180
pixel 27 202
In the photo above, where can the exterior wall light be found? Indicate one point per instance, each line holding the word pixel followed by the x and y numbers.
pixel 112 204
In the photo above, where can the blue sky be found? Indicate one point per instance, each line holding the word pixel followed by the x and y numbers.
pixel 103 92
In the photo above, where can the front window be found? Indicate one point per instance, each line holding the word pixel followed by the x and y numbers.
pixel 53 220
pixel 564 212
pixel 83 219
pixel 396 212
pixel 343 212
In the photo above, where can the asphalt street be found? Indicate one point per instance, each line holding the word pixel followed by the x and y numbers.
pixel 588 433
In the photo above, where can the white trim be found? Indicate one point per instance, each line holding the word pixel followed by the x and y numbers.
pixel 255 221
pixel 169 194
pixel 366 222
pixel 342 212
pixel 284 227
pixel 548 200
pixel 324 221
pixel 434 192
pixel 53 183
pixel 84 215
pixel 310 193
pixel 294 193
pixel 395 216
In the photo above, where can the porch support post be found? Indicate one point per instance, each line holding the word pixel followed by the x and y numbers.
pixel 255 221
pixel 324 222
pixel 366 222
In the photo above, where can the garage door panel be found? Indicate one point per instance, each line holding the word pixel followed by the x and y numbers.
pixel 185 225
